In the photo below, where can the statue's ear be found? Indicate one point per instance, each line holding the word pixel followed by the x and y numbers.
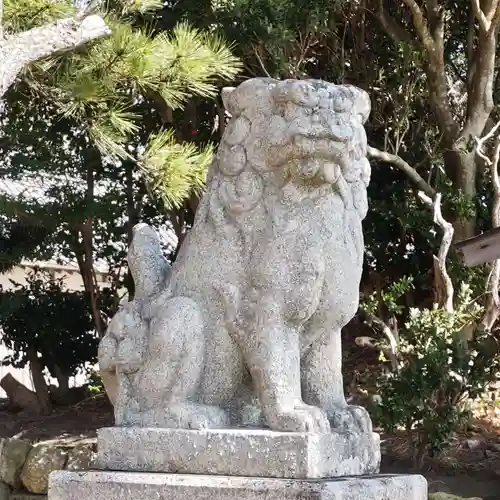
pixel 362 104
pixel 229 104
pixel 146 262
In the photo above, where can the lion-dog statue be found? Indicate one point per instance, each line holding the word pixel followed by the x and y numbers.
pixel 244 328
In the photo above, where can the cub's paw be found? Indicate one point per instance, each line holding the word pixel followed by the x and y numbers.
pixel 351 419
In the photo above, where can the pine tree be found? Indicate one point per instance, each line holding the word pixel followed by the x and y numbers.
pixel 42 38
pixel 103 102
pixel 107 86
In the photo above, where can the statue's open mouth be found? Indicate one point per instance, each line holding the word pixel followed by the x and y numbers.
pixel 309 149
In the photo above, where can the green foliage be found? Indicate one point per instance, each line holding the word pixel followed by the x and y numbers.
pixel 272 34
pixel 100 112
pixel 174 170
pixel 108 88
pixel 45 318
pixel 100 87
pixel 18 241
pixel 438 372
pixel 389 297
pixel 95 385
pixel 140 6
pixel 21 15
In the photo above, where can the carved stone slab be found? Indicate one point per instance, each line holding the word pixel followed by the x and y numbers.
pixel 66 485
pixel 238 452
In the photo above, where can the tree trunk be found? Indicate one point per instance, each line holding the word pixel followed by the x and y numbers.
pixel 41 388
pixel 84 248
pixel 461 167
pixel 62 382
pixel 133 219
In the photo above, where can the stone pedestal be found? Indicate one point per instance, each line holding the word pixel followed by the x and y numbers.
pixel 238 452
pixel 237 464
pixel 149 486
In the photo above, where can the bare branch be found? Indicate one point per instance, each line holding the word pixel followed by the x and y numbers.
pixel 432 44
pixel 392 350
pixel 436 22
pixel 480 143
pixel 481 75
pixel 488 21
pixel 19 50
pixel 493 302
pixel 261 62
pixel 443 248
pixel 398 162
pixel 493 13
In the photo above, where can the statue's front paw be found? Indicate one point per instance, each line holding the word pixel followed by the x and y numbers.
pixel 301 418
pixel 351 419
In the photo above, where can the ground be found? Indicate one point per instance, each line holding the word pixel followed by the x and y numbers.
pixel 462 471
pixel 80 420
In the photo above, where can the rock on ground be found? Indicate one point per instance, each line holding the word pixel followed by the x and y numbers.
pixel 13 453
pixel 41 461
pixel 447 496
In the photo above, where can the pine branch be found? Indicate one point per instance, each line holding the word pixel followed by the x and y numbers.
pixel 17 51
pixel 174 171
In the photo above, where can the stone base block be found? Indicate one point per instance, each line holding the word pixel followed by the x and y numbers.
pixel 238 452
pixel 66 485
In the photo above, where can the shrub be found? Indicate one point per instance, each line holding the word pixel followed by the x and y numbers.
pixel 47 326
pixel 439 371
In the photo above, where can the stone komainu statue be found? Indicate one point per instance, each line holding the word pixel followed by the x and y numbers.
pixel 244 329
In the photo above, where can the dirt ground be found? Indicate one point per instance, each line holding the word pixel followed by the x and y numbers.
pixel 461 470
pixel 80 420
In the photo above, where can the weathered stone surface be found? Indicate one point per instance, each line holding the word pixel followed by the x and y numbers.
pixel 145 486
pixel 13 453
pixel 81 457
pixel 265 280
pixel 19 395
pixel 41 461
pixel 255 453
pixel 4 491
